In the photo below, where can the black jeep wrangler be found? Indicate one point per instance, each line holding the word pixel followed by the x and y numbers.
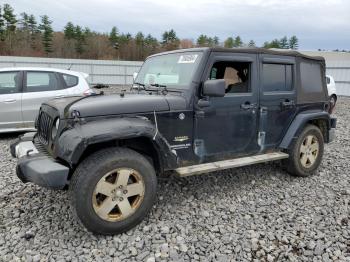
pixel 189 111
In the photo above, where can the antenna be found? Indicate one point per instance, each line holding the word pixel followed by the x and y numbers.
pixel 70 66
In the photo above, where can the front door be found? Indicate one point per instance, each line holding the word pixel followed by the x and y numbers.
pixel 10 100
pixel 228 126
pixel 277 97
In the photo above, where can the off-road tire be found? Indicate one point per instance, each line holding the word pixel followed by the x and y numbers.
pixel 91 170
pixel 294 164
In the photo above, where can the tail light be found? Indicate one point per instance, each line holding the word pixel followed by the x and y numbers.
pixel 89 92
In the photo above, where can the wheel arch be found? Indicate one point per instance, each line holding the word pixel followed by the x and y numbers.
pixel 140 144
pixel 135 133
pixel 320 119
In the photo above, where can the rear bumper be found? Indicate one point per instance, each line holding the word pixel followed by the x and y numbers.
pixel 37 168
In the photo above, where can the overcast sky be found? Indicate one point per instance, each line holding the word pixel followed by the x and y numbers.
pixel 321 24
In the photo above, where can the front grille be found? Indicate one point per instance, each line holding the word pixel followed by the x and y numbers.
pixel 44 127
pixel 40 147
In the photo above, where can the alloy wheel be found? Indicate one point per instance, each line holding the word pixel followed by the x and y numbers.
pixel 118 194
pixel 309 150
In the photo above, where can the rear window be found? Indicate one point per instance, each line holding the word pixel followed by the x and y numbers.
pixel 277 77
pixel 70 80
pixel 41 81
pixel 9 82
pixel 312 80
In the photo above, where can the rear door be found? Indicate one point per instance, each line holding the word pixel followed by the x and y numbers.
pixel 277 97
pixel 39 87
pixel 10 100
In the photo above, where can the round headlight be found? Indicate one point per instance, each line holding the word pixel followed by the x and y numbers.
pixel 55 126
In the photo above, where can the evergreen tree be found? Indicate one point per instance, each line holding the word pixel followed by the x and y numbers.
pixel 140 43
pixel 80 39
pixel 238 42
pixel 293 43
pixel 139 38
pixel 229 42
pixel 10 18
pixel 170 40
pixel 210 41
pixel 32 24
pixel 273 44
pixel 69 31
pixel 216 41
pixel 87 32
pixel 125 38
pixel 24 21
pixel 46 33
pixel 2 25
pixel 251 43
pixel 33 30
pixel 114 37
pixel 202 40
pixel 284 43
pixel 151 42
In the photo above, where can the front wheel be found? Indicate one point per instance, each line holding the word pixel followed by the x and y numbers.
pixel 112 190
pixel 305 154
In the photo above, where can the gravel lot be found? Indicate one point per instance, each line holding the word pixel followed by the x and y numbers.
pixel 258 212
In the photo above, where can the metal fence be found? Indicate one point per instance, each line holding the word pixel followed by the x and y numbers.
pixel 100 71
pixel 121 72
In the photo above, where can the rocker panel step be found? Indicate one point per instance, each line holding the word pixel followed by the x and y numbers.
pixel 231 163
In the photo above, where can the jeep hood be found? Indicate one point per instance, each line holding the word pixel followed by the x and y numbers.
pixel 102 105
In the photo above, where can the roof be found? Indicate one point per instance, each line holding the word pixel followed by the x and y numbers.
pixel 282 52
pixel 45 69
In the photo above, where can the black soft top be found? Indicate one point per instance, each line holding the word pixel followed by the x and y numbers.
pixel 280 52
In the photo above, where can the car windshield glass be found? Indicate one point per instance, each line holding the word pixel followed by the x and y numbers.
pixel 173 70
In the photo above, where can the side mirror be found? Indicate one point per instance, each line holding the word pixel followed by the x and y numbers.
pixel 215 88
pixel 134 75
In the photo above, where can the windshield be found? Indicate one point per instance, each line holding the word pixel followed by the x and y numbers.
pixel 173 70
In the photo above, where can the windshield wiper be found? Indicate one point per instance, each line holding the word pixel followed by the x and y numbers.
pixel 164 90
pixel 158 85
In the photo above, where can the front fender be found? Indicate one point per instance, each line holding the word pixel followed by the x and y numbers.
pixel 299 123
pixel 73 142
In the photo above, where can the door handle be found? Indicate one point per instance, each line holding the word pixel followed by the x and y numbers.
pixel 59 96
pixel 288 103
pixel 248 105
pixel 8 101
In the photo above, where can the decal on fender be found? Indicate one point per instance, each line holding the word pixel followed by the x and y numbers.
pixel 180 138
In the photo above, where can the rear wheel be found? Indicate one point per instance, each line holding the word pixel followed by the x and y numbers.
pixel 305 154
pixel 112 190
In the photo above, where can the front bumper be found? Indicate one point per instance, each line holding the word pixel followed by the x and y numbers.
pixel 36 167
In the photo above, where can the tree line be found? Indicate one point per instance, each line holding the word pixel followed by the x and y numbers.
pixel 26 35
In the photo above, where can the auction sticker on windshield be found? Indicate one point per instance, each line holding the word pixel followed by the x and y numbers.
pixel 187 59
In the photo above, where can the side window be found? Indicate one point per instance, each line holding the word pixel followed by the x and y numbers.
pixel 236 75
pixel 9 82
pixel 311 77
pixel 70 80
pixel 41 81
pixel 277 77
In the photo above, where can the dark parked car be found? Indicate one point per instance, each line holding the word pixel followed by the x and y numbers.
pixel 190 111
